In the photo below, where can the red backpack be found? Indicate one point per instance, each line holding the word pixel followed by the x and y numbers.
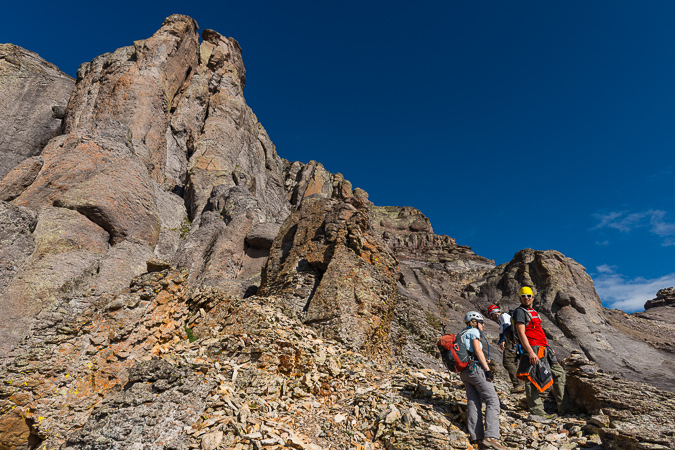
pixel 456 357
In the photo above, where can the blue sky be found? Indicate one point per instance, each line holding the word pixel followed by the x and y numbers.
pixel 545 125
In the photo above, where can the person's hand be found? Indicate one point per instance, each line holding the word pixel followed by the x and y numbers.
pixel 489 375
pixel 502 345
pixel 534 360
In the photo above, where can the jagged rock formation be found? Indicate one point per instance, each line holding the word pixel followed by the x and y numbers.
pixel 658 322
pixel 664 297
pixel 167 280
pixel 335 272
pixel 33 97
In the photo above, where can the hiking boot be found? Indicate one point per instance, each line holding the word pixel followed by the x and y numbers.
pixel 493 443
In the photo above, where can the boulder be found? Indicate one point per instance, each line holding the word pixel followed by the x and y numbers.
pixel 664 297
pixel 33 94
pixel 262 235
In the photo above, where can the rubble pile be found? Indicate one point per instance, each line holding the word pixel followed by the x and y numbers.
pixel 170 367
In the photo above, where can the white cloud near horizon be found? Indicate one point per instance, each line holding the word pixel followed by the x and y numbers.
pixel 630 295
pixel 654 220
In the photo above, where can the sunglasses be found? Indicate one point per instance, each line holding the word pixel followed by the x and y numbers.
pixel 479 321
pixel 526 296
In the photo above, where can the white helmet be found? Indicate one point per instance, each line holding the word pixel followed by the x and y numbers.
pixel 471 315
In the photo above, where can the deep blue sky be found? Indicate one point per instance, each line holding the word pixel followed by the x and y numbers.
pixel 511 125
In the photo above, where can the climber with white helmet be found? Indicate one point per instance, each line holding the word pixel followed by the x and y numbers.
pixel 477 378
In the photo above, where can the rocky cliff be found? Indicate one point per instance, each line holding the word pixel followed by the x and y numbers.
pixel 167 280
pixel 33 98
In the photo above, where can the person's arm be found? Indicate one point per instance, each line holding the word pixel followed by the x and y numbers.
pixel 504 323
pixel 502 341
pixel 520 329
pixel 479 354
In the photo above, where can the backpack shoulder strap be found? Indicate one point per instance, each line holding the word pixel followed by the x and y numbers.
pixel 461 333
pixel 487 344
pixel 529 316
pixel 516 338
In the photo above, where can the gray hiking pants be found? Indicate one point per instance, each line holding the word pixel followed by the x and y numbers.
pixel 479 390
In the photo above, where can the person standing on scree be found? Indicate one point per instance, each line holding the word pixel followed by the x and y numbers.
pixel 535 345
pixel 510 349
pixel 477 379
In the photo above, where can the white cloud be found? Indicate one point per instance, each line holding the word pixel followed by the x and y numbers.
pixel 630 295
pixel 605 268
pixel 654 220
pixel 604 243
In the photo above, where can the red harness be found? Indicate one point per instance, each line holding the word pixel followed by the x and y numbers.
pixel 533 330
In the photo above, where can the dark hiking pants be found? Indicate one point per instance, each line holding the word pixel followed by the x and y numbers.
pixel 510 362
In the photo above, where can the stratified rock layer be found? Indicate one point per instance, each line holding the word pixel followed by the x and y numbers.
pixel 434 271
pixel 664 297
pixel 627 415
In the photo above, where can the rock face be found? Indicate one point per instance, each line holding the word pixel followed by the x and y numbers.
pixel 627 415
pixel 661 311
pixel 233 181
pixel 434 270
pixel 336 274
pixel 18 243
pixel 135 87
pixel 665 297
pixel 167 280
pixel 33 97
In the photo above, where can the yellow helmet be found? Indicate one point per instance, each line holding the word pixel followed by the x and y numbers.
pixel 525 290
